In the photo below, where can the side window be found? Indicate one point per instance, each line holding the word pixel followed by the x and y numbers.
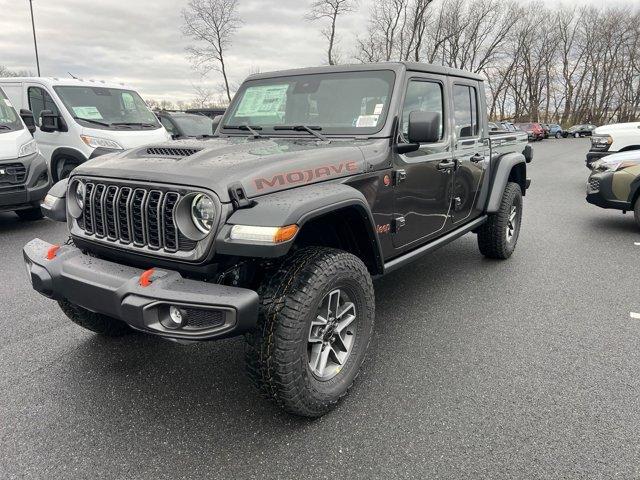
pixel 465 105
pixel 422 96
pixel 166 123
pixel 40 100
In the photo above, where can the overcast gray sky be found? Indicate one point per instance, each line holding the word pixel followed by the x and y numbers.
pixel 139 41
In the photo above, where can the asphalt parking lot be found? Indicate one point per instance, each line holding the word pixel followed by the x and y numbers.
pixel 478 369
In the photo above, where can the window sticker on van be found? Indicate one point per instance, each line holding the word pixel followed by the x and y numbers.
pixel 91 113
pixel 128 101
pixel 264 100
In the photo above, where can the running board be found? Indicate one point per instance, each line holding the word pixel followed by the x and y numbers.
pixel 402 260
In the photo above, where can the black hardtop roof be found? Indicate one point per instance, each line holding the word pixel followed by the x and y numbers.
pixel 395 66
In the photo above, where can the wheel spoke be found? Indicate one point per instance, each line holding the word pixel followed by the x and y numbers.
pixel 345 322
pixel 316 325
pixel 338 356
pixel 322 359
pixel 333 304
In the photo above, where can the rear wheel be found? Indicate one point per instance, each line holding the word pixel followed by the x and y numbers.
pixel 498 236
pixel 96 322
pixel 30 214
pixel 315 323
pixel 576 135
pixel 636 212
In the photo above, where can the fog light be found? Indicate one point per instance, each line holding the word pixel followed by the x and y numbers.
pixel 175 314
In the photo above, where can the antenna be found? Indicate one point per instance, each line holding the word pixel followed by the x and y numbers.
pixel 73 76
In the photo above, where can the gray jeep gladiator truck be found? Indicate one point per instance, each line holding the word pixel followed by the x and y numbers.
pixel 319 180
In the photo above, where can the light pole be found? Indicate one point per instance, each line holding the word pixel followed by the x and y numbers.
pixel 35 42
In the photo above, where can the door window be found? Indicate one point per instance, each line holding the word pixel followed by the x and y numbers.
pixel 40 100
pixel 465 106
pixel 168 125
pixel 424 97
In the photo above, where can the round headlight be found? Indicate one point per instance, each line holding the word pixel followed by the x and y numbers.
pixel 80 190
pixel 203 212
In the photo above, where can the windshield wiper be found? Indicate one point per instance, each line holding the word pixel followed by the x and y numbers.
pixel 132 124
pixel 303 128
pixel 249 128
pixel 92 121
pixel 5 127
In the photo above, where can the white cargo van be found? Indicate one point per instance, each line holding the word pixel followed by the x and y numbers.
pixel 24 178
pixel 76 119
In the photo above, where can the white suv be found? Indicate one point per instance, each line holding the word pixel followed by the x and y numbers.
pixel 76 120
pixel 608 139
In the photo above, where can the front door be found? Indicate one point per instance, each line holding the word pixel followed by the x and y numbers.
pixel 38 100
pixel 470 150
pixel 422 187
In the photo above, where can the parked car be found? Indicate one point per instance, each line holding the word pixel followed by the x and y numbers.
pixel 577 131
pixel 212 113
pixel 493 127
pixel 76 120
pixel 275 228
pixel 24 177
pixel 610 139
pixel 545 130
pixel 555 130
pixel 508 126
pixel 186 125
pixel 615 183
pixel 534 130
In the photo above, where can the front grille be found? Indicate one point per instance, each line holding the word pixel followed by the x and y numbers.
pixel 171 151
pixel 12 174
pixel 200 319
pixel 133 216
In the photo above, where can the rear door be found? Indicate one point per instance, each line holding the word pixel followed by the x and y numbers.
pixel 422 188
pixel 470 150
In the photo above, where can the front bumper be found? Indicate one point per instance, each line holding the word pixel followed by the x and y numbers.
pixel 117 291
pixel 27 194
pixel 600 192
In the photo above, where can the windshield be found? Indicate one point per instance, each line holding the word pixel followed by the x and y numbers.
pixel 194 125
pixel 353 103
pixel 100 107
pixel 9 119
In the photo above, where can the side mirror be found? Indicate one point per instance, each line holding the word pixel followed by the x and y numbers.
pixel 29 121
pixel 216 121
pixel 49 121
pixel 424 127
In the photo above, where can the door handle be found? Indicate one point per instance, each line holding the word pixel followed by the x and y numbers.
pixel 477 158
pixel 447 165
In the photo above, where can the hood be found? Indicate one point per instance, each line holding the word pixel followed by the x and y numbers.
pixel 260 165
pixel 10 143
pixel 616 127
pixel 129 138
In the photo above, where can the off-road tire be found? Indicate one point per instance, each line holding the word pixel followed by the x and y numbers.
pixel 492 235
pixel 96 322
pixel 30 214
pixel 276 351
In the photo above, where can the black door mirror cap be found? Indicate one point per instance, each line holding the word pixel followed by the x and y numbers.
pixel 424 127
pixel 49 121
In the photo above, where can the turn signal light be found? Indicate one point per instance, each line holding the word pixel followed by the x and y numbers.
pixel 263 234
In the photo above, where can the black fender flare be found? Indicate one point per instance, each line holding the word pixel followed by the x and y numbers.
pixel 500 174
pixel 64 152
pixel 297 206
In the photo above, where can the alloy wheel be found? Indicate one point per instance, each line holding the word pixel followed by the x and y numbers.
pixel 332 335
pixel 512 223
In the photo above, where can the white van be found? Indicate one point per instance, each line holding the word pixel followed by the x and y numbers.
pixel 24 178
pixel 77 119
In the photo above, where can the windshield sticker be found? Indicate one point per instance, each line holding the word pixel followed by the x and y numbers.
pixel 367 121
pixel 267 100
pixel 378 109
pixel 128 101
pixel 91 113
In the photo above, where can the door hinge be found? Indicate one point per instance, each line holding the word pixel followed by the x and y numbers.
pixel 399 176
pixel 398 223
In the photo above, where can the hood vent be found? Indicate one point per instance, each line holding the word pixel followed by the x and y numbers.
pixel 172 151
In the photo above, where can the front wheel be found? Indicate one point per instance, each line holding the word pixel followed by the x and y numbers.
pixel 498 236
pixel 558 135
pixel 314 327
pixel 576 135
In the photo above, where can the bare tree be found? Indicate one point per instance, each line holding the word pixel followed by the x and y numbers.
pixel 5 72
pixel 211 23
pixel 330 10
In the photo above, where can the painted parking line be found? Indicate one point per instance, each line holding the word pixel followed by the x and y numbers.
pixel 636 243
pixel 635 315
